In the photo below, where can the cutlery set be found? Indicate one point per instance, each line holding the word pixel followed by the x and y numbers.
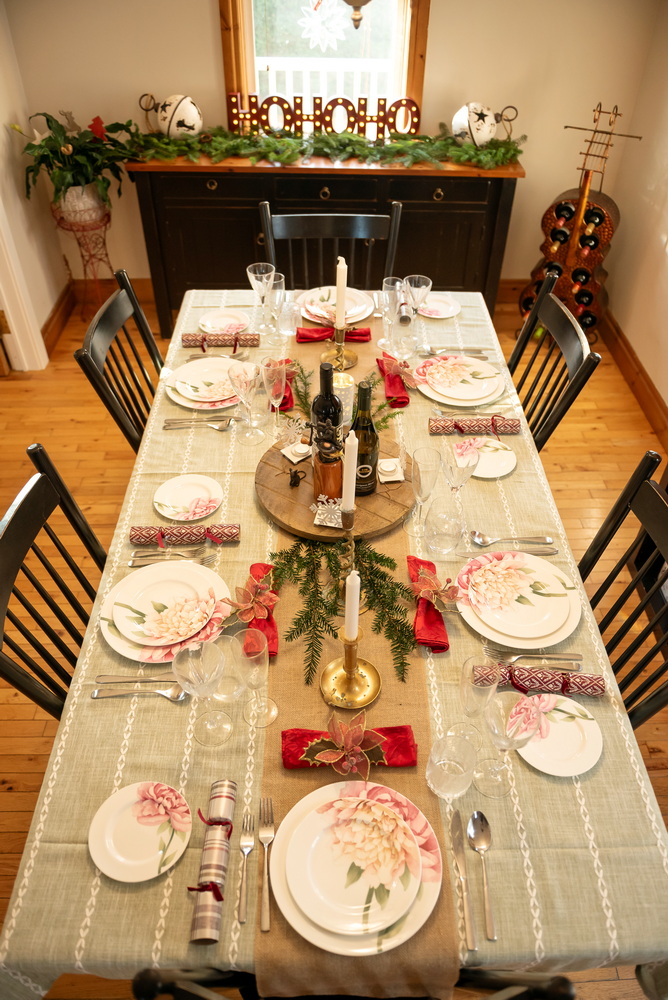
pixel 149 559
pixel 246 845
pixel 182 423
pixel 479 838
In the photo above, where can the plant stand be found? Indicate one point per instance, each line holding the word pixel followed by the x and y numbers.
pixel 91 239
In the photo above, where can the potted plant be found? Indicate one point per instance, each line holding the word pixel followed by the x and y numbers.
pixel 78 161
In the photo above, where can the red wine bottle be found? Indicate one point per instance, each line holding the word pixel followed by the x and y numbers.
pixel 580 276
pixel 564 212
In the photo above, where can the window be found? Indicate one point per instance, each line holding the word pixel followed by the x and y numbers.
pixel 310 48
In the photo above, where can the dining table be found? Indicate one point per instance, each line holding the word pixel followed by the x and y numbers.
pixel 578 864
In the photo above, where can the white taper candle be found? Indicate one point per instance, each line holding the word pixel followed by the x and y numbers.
pixel 351 624
pixel 341 282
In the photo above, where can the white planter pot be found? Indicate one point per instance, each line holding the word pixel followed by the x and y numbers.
pixel 82 205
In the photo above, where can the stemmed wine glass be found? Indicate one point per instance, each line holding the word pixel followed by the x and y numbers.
pixel 478 682
pixel 261 277
pixel 254 664
pixel 274 378
pixel 245 378
pixel 459 464
pixel 276 298
pixel 417 288
pixel 391 295
pixel 426 466
pixel 511 721
pixel 199 668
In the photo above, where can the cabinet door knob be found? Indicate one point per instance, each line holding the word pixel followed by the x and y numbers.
pixel 325 193
pixel 212 184
pixel 260 239
pixel 438 194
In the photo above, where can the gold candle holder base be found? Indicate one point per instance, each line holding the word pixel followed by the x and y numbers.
pixel 350 681
pixel 339 355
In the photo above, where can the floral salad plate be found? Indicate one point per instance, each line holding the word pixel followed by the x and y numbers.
pixel 188 497
pixel 439 305
pixel 319 305
pixel 569 740
pixel 495 458
pixel 140 831
pixel 202 384
pixel 472 374
pixel 224 321
pixel 327 798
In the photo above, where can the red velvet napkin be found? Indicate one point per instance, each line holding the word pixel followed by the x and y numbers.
pixel 428 625
pixel 400 748
pixel 266 625
pixel 395 390
pixel 305 334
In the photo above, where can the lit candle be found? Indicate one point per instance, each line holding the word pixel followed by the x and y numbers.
pixel 341 282
pixel 349 470
pixel 351 624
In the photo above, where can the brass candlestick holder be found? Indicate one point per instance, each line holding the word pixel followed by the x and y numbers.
pixel 350 681
pixel 339 355
pixel 347 560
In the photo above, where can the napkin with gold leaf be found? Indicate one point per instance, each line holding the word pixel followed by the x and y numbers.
pixel 254 604
pixel 428 625
pixel 349 748
pixel 308 334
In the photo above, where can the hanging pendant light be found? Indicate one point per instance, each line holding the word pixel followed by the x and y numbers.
pixel 357 13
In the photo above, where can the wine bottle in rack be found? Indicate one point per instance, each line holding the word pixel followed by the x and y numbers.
pixel 593 218
pixel 580 276
pixel 559 237
pixel 564 212
pixel 587 244
pixel 368 444
pixel 327 424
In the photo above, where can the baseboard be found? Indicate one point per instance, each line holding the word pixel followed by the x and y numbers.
pixel 509 292
pixel 58 317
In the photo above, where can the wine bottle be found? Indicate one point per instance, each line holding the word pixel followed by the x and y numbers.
pixel 564 212
pixel 327 423
pixel 587 244
pixel 580 276
pixel 593 217
pixel 368 443
pixel 558 237
pixel 552 266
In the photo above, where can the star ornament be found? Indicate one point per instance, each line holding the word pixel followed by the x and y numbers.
pixel 349 749
pixel 324 24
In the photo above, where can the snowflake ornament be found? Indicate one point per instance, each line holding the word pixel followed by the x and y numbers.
pixel 292 431
pixel 327 512
pixel 324 23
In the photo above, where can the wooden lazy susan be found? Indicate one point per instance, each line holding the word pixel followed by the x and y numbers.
pixel 290 506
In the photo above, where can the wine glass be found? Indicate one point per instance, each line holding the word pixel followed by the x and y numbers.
pixel 245 378
pixel 231 684
pixel 276 298
pixel 274 377
pixel 426 466
pixel 450 767
pixel 261 277
pixel 417 288
pixel 511 720
pixel 198 668
pixel 460 461
pixel 254 663
pixel 391 295
pixel 478 682
pixel 442 528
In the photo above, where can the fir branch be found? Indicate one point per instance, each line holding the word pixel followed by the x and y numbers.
pixel 301 388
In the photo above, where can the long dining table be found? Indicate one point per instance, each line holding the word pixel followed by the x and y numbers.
pixel 578 866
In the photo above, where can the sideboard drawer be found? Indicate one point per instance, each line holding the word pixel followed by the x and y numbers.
pixel 292 192
pixel 247 188
pixel 434 190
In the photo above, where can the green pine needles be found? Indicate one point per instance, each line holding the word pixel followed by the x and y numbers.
pixel 315 568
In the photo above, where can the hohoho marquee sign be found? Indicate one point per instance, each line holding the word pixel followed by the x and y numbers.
pixel 338 115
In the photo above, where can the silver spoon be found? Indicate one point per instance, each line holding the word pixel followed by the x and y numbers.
pixel 480 839
pixel 483 541
pixel 173 693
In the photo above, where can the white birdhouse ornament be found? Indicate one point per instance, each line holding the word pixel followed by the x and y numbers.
pixel 474 123
pixel 179 115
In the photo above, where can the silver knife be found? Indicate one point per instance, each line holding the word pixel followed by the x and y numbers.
pixel 457 835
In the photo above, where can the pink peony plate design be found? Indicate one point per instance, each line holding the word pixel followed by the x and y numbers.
pixel 140 831
pixel 439 305
pixel 495 458
pixel 188 497
pixel 334 799
pixel 569 740
pixel 461 398
pixel 353 866
pixel 202 384
pixel 458 377
pixel 224 321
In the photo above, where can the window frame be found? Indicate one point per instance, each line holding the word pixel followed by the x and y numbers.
pixel 237 45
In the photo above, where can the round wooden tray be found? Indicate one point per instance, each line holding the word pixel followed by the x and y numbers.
pixel 289 506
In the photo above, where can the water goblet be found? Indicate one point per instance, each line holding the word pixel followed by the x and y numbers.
pixel 254 663
pixel 417 288
pixel 511 721
pixel 231 684
pixel 450 767
pixel 426 466
pixel 274 377
pixel 261 277
pixel 245 378
pixel 276 298
pixel 478 682
pixel 460 460
pixel 442 528
pixel 198 668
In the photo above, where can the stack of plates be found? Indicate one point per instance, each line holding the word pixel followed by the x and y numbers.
pixel 460 381
pixel 319 305
pixel 133 626
pixel 518 600
pixel 203 385
pixel 355 868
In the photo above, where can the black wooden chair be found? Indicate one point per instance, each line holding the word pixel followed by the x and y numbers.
pixel 630 592
pixel 551 362
pixel 45 592
pixel 313 242
pixel 183 984
pixel 118 353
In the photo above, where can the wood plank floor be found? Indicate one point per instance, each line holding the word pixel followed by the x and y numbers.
pixel 587 462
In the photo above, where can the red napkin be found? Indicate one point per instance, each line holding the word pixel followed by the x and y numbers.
pixel 266 625
pixel 400 748
pixel 395 390
pixel 428 625
pixel 305 334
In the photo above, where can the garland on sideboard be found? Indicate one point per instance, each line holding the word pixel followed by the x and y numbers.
pixel 286 148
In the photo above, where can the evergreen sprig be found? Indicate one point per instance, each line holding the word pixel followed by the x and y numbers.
pixel 301 388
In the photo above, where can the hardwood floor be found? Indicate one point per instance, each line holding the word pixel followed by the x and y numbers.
pixel 587 462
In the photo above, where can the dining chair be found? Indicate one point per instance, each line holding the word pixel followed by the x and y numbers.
pixel 630 591
pixel 117 356
pixel 312 243
pixel 551 362
pixel 45 590
pixel 183 984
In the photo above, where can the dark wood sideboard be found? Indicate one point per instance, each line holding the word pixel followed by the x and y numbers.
pixel 202 223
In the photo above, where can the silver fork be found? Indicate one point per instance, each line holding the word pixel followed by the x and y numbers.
pixel 151 560
pixel 246 845
pixel 266 835
pixel 184 552
pixel 217 425
pixel 504 657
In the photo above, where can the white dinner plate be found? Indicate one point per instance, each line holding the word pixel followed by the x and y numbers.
pixel 203 381
pixel 176 397
pixel 188 497
pixel 573 743
pixel 514 642
pixel 439 305
pixel 224 320
pixel 333 873
pixel 457 377
pixel 319 304
pixel 518 599
pixel 431 875
pixel 463 404
pixel 140 831
pixel 495 459
pixel 159 605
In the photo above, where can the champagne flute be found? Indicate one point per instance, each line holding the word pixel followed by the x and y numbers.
pixel 198 668
pixel 417 288
pixel 254 663
pixel 391 295
pixel 245 378
pixel 261 277
pixel 276 298
pixel 460 461
pixel 426 466
pixel 511 721
pixel 274 377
